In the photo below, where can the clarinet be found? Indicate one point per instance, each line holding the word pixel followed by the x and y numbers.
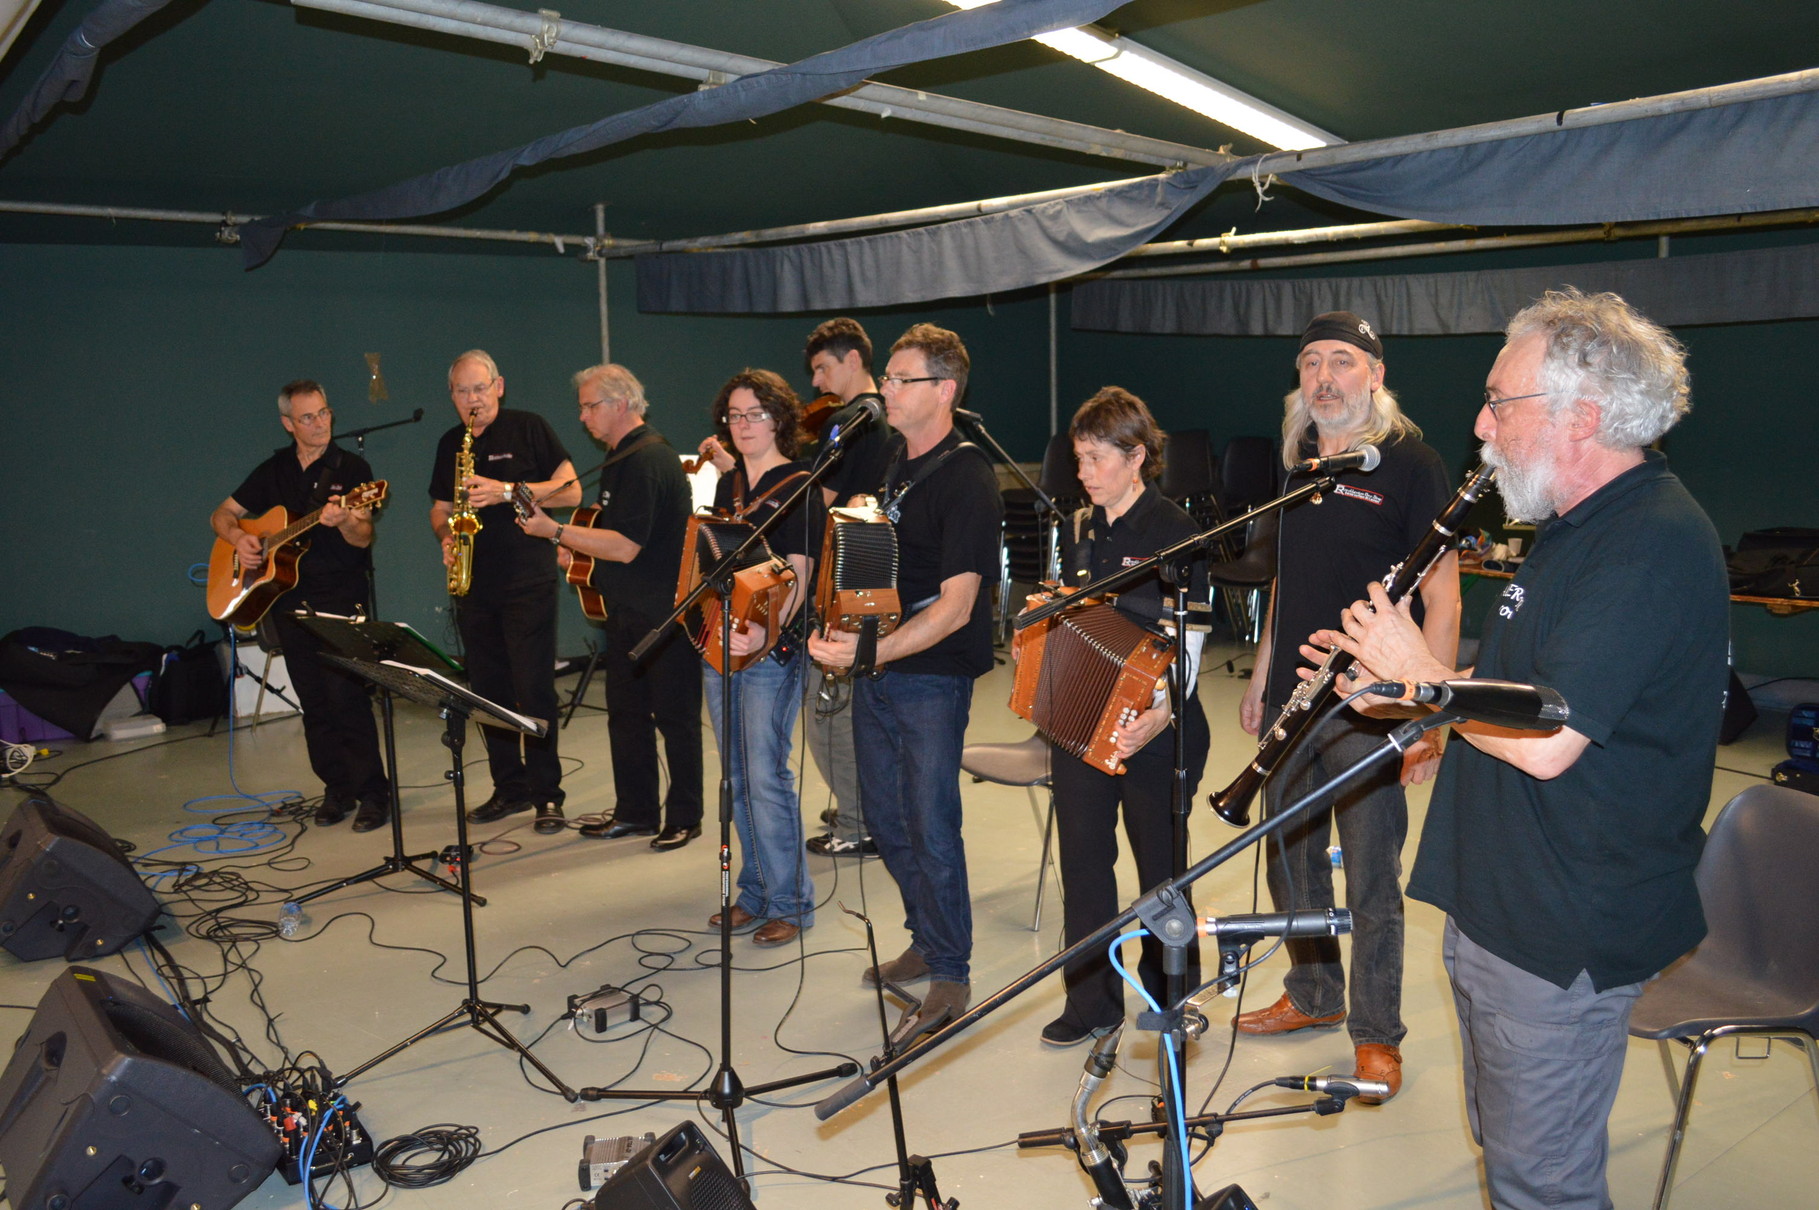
pixel 1312 696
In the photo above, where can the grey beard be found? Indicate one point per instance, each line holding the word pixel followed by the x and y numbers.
pixel 1526 490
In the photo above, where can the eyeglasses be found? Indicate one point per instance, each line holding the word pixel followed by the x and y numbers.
pixel 475 392
pixel 1493 403
pixel 588 405
pixel 890 381
pixel 756 416
pixel 321 417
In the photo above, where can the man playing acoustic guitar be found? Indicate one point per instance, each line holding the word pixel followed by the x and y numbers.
pixel 313 472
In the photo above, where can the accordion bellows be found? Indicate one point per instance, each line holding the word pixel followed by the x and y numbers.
pixel 1083 675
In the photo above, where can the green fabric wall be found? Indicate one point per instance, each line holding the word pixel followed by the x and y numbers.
pixel 141 384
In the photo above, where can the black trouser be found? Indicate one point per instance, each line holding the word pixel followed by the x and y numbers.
pixel 659 694
pixel 1087 804
pixel 510 646
pixel 338 725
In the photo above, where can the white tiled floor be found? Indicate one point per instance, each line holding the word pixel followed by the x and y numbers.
pixel 615 911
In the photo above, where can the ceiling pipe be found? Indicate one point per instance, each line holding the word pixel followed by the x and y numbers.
pixel 1233 242
pixel 536 35
pixel 1578 235
pixel 13 16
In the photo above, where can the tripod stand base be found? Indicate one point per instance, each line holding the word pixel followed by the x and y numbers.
pixel 481 1016
pixel 407 864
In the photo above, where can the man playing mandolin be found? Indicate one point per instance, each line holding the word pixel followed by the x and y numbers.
pixel 313 472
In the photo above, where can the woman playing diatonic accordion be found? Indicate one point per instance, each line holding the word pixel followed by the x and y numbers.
pixel 759 418
pixel 1119 449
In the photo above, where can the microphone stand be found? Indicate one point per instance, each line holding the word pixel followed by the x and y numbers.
pixel 358 436
pixel 1044 505
pixel 727 1092
pixel 1164 912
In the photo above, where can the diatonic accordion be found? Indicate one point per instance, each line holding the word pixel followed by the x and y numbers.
pixel 1083 675
pixel 856 584
pixel 761 584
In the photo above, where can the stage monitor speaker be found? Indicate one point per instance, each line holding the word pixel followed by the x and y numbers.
pixel 113 1100
pixel 680 1171
pixel 65 887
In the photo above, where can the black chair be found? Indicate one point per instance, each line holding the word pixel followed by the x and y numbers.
pixel 1190 476
pixel 1248 470
pixel 1757 971
pixel 1024 763
pixel 1242 581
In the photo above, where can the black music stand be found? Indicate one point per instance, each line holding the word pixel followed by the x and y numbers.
pixel 376 641
pixel 456 704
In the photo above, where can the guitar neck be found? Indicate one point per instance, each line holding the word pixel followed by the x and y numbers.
pixel 294 530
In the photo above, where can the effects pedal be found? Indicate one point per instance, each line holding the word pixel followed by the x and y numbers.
pixel 333 1140
pixel 600 1158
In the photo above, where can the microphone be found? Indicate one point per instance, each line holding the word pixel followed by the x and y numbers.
pixel 1254 926
pixel 867 408
pixel 1500 703
pixel 1364 458
pixel 1343 1087
pixel 968 416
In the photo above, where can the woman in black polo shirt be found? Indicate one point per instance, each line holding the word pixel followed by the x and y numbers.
pixel 1119 450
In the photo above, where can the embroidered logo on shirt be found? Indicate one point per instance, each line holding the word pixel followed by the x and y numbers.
pixel 1133 560
pixel 1511 601
pixel 1358 493
pixel 497 457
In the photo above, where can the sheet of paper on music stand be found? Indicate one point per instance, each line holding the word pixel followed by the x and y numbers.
pixel 503 716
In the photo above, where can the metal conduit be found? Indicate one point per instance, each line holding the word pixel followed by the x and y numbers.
pixel 492 23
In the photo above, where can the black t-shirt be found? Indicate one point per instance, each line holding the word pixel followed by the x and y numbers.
pixel 950 522
pixel 1622 606
pixel 797 534
pixel 516 447
pixel 333 572
pixel 861 469
pixel 1329 552
pixel 646 497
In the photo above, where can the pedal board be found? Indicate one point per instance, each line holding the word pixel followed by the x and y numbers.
pixel 344 1142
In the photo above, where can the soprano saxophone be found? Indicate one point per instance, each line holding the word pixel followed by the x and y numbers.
pixel 463 522
pixel 1232 804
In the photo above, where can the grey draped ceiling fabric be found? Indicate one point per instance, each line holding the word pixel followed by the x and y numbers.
pixel 748 97
pixel 69 75
pixel 1741 158
pixel 1732 287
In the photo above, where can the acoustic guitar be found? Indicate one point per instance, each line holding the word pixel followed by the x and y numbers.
pixel 581 567
pixel 241 594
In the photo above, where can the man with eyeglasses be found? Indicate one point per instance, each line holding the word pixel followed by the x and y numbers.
pixel 909 721
pixel 636 543
pixel 508 617
pixel 839 361
pixel 1565 859
pixel 310 473
pixel 1327 552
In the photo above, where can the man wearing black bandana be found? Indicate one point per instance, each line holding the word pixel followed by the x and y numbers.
pixel 313 472
pixel 1328 552
pixel 909 722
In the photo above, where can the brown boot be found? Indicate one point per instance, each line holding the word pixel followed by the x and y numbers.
pixel 1282 1017
pixel 904 968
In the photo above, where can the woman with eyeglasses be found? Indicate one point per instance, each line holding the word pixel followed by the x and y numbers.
pixel 757 431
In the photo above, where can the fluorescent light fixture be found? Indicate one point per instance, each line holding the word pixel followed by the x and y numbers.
pixel 1137 64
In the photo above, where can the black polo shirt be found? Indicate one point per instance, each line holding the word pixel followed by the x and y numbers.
pixel 1622 606
pixel 646 497
pixel 1329 552
pixel 333 571
pixel 1103 547
pixel 797 534
pixel 950 522
pixel 516 447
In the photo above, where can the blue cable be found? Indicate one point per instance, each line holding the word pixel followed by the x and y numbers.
pixel 308 1158
pixel 1174 1062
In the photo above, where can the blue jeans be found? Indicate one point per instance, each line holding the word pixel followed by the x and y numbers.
pixel 1372 817
pixel 773 871
pixel 908 729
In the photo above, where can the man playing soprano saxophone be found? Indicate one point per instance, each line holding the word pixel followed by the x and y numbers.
pixel 508 617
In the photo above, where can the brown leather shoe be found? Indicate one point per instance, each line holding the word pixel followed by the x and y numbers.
pixel 776 932
pixel 1379 1062
pixel 904 968
pixel 741 918
pixel 1282 1017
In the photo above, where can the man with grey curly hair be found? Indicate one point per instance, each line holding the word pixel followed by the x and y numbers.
pixel 1564 859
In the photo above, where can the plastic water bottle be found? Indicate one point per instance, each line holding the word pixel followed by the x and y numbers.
pixel 1336 855
pixel 291 919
